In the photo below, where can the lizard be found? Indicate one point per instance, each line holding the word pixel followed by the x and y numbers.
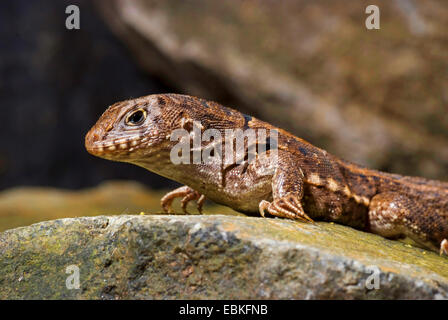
pixel 306 183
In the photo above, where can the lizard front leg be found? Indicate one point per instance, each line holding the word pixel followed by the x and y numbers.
pixel 395 215
pixel 287 192
pixel 187 194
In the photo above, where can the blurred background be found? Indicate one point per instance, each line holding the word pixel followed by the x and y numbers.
pixel 375 97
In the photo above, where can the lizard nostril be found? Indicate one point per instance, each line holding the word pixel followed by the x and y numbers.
pixel 91 138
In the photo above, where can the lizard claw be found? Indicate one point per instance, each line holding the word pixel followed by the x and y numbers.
pixel 263 206
pixel 288 206
pixel 187 195
pixel 193 196
pixel 444 247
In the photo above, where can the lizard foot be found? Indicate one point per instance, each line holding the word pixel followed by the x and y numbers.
pixel 288 206
pixel 444 247
pixel 187 195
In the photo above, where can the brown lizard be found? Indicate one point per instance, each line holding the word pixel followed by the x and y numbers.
pixel 306 183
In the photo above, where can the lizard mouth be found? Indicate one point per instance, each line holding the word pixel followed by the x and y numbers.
pixel 110 148
pixel 118 147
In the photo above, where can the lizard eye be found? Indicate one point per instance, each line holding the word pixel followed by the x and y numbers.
pixel 136 118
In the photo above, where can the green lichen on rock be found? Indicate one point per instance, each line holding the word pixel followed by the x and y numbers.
pixel 211 257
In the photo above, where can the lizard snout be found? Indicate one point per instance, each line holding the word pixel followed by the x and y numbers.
pixel 93 142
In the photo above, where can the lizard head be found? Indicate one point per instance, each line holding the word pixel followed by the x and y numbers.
pixel 139 131
pixel 130 130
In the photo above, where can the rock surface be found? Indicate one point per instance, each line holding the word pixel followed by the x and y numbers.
pixel 212 257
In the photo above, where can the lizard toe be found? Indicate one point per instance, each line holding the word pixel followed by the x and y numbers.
pixel 187 194
pixel 262 206
pixel 200 203
pixel 444 247
pixel 285 207
pixel 191 196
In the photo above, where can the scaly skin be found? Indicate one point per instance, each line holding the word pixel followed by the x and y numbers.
pixel 307 184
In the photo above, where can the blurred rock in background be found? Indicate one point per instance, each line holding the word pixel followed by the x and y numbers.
pixel 376 97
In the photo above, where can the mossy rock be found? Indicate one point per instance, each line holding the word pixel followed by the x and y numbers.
pixel 212 257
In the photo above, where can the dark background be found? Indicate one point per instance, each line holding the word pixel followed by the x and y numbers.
pixel 54 84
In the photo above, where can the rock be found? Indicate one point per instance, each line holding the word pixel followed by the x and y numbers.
pixel 211 257
pixel 376 97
